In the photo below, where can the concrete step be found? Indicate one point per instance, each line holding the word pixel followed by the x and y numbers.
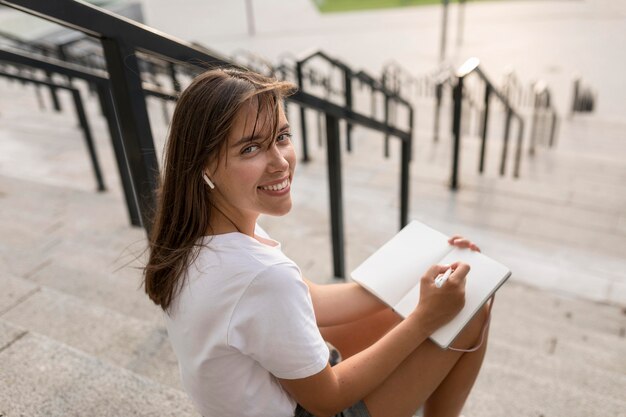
pixel 560 326
pixel 530 385
pixel 42 377
pixel 137 345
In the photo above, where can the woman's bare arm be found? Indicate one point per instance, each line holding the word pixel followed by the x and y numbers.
pixel 336 304
pixel 336 388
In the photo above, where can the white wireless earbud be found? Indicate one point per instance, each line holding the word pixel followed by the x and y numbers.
pixel 208 180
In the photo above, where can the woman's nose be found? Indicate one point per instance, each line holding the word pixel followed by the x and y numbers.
pixel 278 159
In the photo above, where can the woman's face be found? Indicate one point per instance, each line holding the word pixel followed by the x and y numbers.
pixel 255 175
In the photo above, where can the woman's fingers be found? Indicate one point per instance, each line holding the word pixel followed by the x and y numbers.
pixel 435 270
pixel 461 242
pixel 453 238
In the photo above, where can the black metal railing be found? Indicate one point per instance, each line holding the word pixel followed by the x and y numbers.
pixel 348 76
pixel 472 66
pixel 254 62
pixel 100 80
pixel 545 118
pixel 38 48
pixel 122 89
pixel 517 93
pixel 442 79
pixel 303 73
pixel 395 84
pixel 80 114
pixel 411 86
pixel 583 97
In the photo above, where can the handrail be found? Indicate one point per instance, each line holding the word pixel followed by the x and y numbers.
pixel 392 97
pixel 303 59
pixel 26 44
pixel 512 88
pixel 46 50
pixel 82 119
pixel 583 97
pixel 379 86
pixel 307 56
pixel 348 75
pixel 472 65
pixel 101 23
pixel 400 75
pixel 542 106
pixel 100 80
pixel 469 67
pixel 121 38
pixel 442 76
pixel 252 60
pixel 360 75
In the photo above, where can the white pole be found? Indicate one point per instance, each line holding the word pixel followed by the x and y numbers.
pixel 444 30
pixel 250 16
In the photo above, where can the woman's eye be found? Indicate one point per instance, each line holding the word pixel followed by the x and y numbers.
pixel 284 137
pixel 249 149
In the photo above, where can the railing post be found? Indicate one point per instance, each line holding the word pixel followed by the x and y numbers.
pixel 334 184
pixel 505 146
pixel 518 151
pixel 320 133
pixel 457 98
pixel 130 105
pixel 63 57
pixel 172 70
pixel 438 100
pixel 533 128
pixel 483 147
pixel 553 128
pixel 91 149
pixel 347 77
pixel 56 104
pixel 108 110
pixel 406 157
pixel 575 98
pixel 305 149
pixel 40 102
pixel 386 113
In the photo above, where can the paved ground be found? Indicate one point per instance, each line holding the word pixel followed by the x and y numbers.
pixel 78 338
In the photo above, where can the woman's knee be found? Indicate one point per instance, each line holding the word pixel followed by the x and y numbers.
pixel 353 337
pixel 472 333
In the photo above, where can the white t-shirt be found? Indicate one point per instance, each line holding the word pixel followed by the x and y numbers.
pixel 243 317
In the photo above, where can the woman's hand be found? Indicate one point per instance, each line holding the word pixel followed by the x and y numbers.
pixel 461 242
pixel 437 306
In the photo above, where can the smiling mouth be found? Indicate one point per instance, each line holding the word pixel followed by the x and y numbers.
pixel 276 187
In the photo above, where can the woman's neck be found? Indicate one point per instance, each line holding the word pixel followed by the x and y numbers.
pixel 223 222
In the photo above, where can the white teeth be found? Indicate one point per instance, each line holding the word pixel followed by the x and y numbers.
pixel 277 187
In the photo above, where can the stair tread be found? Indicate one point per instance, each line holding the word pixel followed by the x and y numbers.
pixel 42 377
pixel 140 346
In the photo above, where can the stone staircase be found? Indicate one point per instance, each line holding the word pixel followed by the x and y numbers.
pixel 79 337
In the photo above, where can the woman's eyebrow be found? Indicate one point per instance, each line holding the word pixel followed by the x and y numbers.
pixel 256 137
pixel 246 139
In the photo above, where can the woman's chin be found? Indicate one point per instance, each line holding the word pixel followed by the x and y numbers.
pixel 281 210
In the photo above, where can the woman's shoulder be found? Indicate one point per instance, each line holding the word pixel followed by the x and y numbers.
pixel 242 249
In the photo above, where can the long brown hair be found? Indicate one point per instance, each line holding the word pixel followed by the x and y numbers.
pixel 201 123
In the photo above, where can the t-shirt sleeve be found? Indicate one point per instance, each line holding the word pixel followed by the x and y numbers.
pixel 274 324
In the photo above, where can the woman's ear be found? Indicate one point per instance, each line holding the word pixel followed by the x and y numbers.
pixel 208 181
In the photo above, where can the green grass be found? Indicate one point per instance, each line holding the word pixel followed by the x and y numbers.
pixel 330 6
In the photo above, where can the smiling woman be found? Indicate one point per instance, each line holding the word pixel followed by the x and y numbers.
pixel 256 170
pixel 249 332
